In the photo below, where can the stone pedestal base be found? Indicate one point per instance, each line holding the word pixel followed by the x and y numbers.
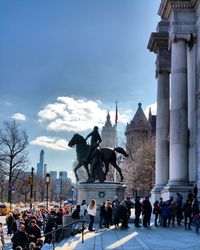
pixel 100 192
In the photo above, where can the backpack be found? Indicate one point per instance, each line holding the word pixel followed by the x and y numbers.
pixel 116 204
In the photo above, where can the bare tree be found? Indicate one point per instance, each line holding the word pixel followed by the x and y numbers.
pixel 139 168
pixel 13 154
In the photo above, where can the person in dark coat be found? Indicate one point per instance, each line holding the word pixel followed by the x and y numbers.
pixel 124 215
pixel 138 211
pixel 20 238
pixel 49 226
pixel 156 212
pixel 187 210
pixel 76 216
pixel 179 208
pixel 58 217
pixel 195 206
pixel 116 210
pixel 165 213
pixel 34 232
pixel 9 222
pixel 102 214
pixel 195 191
pixel 108 215
pixel 147 210
pixel 129 205
pixel 190 195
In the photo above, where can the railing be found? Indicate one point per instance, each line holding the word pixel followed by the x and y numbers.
pixel 62 229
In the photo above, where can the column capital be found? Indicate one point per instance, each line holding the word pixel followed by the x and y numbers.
pixel 158 43
pixel 168 6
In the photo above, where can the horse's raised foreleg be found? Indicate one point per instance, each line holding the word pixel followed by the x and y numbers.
pixel 75 169
pixel 118 170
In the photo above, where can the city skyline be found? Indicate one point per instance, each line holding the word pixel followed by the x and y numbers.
pixel 64 64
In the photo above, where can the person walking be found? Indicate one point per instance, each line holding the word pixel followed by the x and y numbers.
pixel 92 210
pixel 138 210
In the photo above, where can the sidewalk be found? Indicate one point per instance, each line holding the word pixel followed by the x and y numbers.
pixel 134 239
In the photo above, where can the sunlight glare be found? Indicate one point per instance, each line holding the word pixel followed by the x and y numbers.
pixel 122 241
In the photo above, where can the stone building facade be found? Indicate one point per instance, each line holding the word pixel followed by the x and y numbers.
pixel 138 132
pixel 176 44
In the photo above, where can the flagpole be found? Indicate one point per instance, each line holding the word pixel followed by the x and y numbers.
pixel 116 119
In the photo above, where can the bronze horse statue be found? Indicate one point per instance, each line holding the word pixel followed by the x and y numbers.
pixel 108 156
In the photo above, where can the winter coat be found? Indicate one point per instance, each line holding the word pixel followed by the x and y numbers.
pixel 20 239
pixel 36 232
pixel 187 209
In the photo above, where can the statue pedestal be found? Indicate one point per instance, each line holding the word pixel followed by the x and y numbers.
pixel 100 192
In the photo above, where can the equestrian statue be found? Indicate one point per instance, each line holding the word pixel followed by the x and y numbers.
pixel 96 157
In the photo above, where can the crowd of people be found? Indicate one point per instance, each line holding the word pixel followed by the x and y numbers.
pixel 25 229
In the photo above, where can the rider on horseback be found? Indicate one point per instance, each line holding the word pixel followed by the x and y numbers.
pixel 95 141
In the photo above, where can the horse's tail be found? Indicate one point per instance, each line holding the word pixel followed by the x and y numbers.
pixel 121 151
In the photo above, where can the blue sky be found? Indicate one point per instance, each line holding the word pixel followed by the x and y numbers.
pixel 64 63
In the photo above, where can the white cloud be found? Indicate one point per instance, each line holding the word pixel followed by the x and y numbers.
pixel 153 107
pixel 70 114
pixel 19 117
pixel 51 143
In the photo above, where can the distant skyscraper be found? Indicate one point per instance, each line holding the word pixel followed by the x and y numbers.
pixel 109 134
pixel 64 175
pixel 40 165
pixel 53 175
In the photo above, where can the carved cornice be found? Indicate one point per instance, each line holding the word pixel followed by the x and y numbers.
pixel 167 6
pixel 158 40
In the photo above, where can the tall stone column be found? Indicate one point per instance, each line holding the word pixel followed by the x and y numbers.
pixel 178 114
pixel 158 43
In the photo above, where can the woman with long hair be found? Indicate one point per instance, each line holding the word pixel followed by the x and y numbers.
pixel 92 209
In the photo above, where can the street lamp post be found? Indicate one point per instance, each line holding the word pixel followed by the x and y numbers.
pixel 2 182
pixel 47 183
pixel 61 175
pixel 72 194
pixel 31 186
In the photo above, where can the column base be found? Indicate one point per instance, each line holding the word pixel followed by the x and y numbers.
pixel 174 187
pixel 156 193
